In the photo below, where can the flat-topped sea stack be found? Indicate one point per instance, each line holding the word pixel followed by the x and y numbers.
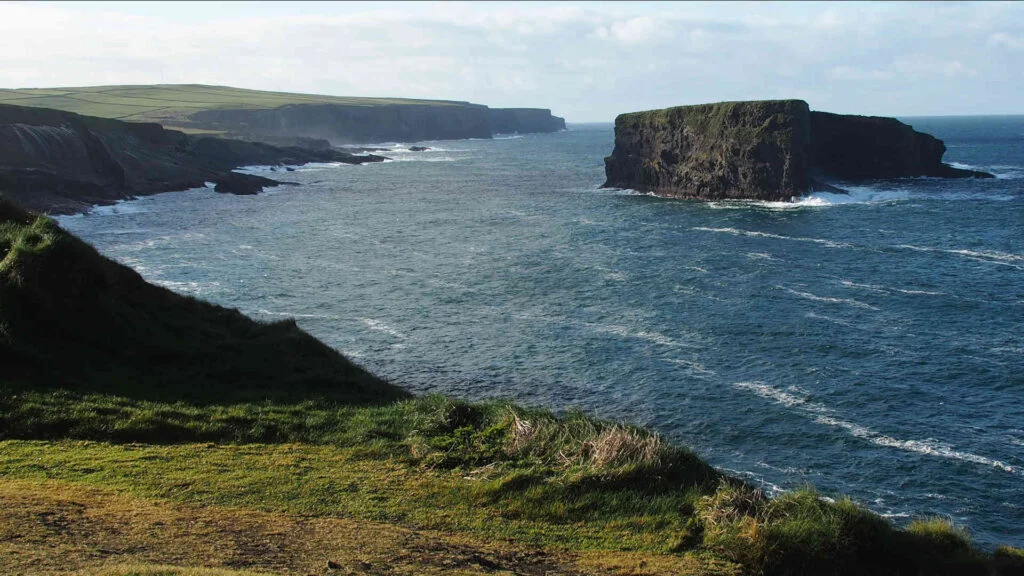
pixel 764 150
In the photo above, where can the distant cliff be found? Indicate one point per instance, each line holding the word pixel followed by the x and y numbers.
pixel 58 161
pixel 352 124
pixel 288 118
pixel 524 121
pixel 765 150
pixel 356 124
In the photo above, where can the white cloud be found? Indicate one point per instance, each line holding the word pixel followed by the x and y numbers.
pixel 639 30
pixel 586 61
pixel 1004 40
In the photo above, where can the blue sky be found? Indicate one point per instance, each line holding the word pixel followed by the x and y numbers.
pixel 587 61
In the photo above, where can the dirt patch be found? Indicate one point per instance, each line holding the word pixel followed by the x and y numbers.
pixel 59 528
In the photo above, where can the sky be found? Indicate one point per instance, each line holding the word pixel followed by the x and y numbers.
pixel 586 61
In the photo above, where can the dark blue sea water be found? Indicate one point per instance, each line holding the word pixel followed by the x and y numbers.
pixel 869 344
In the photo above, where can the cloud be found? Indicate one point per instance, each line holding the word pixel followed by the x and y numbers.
pixel 599 59
pixel 1004 40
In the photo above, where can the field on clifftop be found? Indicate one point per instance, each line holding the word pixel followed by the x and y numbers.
pixel 171 104
pixel 144 432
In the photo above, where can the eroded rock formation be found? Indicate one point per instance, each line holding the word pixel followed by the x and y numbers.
pixel 764 150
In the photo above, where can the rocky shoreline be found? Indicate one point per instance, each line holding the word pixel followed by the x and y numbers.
pixel 64 163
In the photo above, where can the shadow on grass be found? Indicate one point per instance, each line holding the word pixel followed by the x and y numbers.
pixel 74 320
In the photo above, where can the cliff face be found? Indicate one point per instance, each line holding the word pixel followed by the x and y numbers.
pixel 714 151
pixel 63 162
pixel 341 124
pixel 864 147
pixel 764 150
pixel 524 121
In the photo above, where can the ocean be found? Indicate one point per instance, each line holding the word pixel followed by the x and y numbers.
pixel 869 344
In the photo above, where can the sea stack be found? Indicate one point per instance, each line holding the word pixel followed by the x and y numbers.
pixel 764 150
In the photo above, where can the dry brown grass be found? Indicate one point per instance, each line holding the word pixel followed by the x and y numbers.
pixel 618 445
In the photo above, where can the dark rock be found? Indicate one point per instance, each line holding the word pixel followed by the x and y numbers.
pixel 332 565
pixel 418 148
pixel 243 184
pixel 524 121
pixel 765 150
pixel 714 151
pixel 867 147
pixel 55 161
pixel 289 169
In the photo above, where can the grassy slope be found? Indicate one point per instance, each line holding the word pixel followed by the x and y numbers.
pixel 243 424
pixel 170 104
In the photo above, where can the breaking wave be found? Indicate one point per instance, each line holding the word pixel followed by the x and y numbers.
pixel 824 415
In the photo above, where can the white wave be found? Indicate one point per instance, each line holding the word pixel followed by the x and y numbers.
pixel 919 292
pixel 1011 349
pixel 887 289
pixel 756 234
pixel 759 256
pixel 610 274
pixel 815 297
pixel 769 488
pixel 185 286
pixel 121 207
pixel 295 315
pixel 508 136
pixel 963 166
pixel 989 256
pixel 695 366
pixel 379 326
pixel 827 318
pixel 893 515
pixel 420 158
pixel 647 335
pixel 855 195
pixel 1000 171
pixel 826 416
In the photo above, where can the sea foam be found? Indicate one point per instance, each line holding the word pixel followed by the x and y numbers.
pixel 826 416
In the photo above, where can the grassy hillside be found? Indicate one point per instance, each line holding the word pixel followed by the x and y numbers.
pixel 170 104
pixel 143 432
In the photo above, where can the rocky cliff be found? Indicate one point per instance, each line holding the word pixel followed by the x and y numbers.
pixel 58 161
pixel 714 151
pixel 345 124
pixel 524 121
pixel 357 124
pixel 764 150
pixel 865 147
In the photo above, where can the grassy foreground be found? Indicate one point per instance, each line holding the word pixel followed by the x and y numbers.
pixel 143 432
pixel 170 104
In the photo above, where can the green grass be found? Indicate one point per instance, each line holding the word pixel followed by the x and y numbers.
pixel 114 383
pixel 736 123
pixel 170 104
